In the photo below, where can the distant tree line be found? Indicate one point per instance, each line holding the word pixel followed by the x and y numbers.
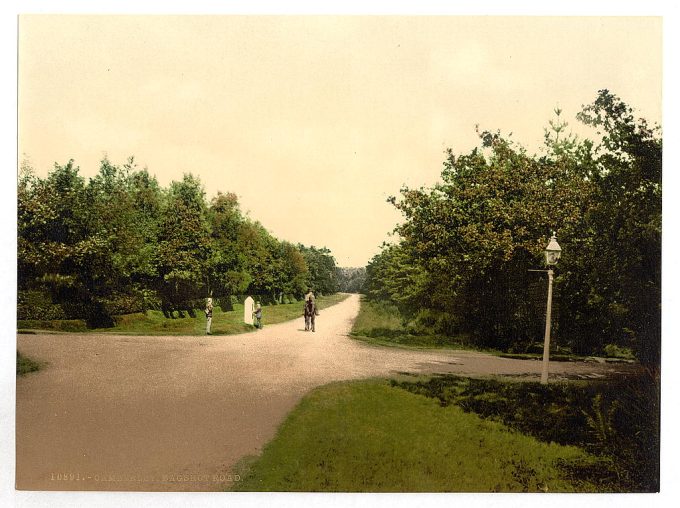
pixel 466 244
pixel 120 243
pixel 351 280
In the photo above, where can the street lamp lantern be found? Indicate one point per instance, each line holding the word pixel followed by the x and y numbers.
pixel 553 251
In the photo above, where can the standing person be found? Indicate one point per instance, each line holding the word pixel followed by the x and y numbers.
pixel 307 314
pixel 309 295
pixel 310 314
pixel 258 316
pixel 208 315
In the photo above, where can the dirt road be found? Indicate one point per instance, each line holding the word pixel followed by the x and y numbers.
pixel 176 413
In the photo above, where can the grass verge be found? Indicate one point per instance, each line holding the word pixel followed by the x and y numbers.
pixel 369 436
pixel 26 365
pixel 155 323
pixel 59 325
pixel 616 419
pixel 379 323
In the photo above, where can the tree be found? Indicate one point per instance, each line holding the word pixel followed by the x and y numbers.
pixel 623 304
pixel 58 247
pixel 185 245
pixel 227 264
pixel 321 264
pixel 393 275
pixel 351 280
pixel 294 271
pixel 467 243
pixel 119 243
pixel 478 232
pixel 259 250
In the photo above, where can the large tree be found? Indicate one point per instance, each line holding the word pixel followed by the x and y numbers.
pixel 321 263
pixel 185 244
pixel 622 257
pixel 467 244
pixel 227 273
pixel 119 243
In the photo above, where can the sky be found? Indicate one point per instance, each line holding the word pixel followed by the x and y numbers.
pixel 314 121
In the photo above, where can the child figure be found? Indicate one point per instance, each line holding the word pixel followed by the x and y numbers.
pixel 258 316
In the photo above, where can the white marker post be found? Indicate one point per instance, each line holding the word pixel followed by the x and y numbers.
pixel 248 308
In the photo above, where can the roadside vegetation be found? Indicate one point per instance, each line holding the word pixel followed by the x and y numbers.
pixel 90 249
pixel 156 323
pixel 26 365
pixel 380 436
pixel 616 420
pixel 463 259
pixel 381 323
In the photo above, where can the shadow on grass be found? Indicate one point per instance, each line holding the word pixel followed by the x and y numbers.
pixel 396 338
pixel 616 419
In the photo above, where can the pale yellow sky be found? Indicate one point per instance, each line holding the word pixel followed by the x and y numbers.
pixel 314 121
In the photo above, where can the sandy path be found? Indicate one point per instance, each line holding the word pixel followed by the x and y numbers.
pixel 146 413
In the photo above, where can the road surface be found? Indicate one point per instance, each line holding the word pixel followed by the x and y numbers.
pixel 176 413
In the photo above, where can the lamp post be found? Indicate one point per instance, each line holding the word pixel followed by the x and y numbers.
pixel 552 254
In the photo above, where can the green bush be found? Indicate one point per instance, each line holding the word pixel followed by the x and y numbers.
pixel 224 303
pixel 616 419
pixel 75 310
pixel 614 351
pixel 43 311
pixel 123 304
pixel 61 325
pixel 151 299
pixel 33 297
pixel 37 304
pixel 424 323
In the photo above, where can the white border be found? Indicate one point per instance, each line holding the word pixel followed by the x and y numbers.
pixel 8 34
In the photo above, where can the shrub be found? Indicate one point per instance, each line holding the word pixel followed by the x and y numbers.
pixel 225 303
pixel 614 351
pixel 617 419
pixel 49 311
pixel 123 304
pixel 151 299
pixel 62 325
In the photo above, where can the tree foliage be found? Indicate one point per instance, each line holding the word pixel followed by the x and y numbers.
pixel 466 245
pixel 120 243
pixel 322 274
pixel 351 280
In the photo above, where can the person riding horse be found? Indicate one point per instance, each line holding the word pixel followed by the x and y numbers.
pixel 310 313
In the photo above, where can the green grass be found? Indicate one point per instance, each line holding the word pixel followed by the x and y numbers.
pixel 26 365
pixel 155 323
pixel 379 323
pixel 615 419
pixel 368 436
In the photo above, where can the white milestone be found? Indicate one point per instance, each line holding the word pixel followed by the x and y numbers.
pixel 248 309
